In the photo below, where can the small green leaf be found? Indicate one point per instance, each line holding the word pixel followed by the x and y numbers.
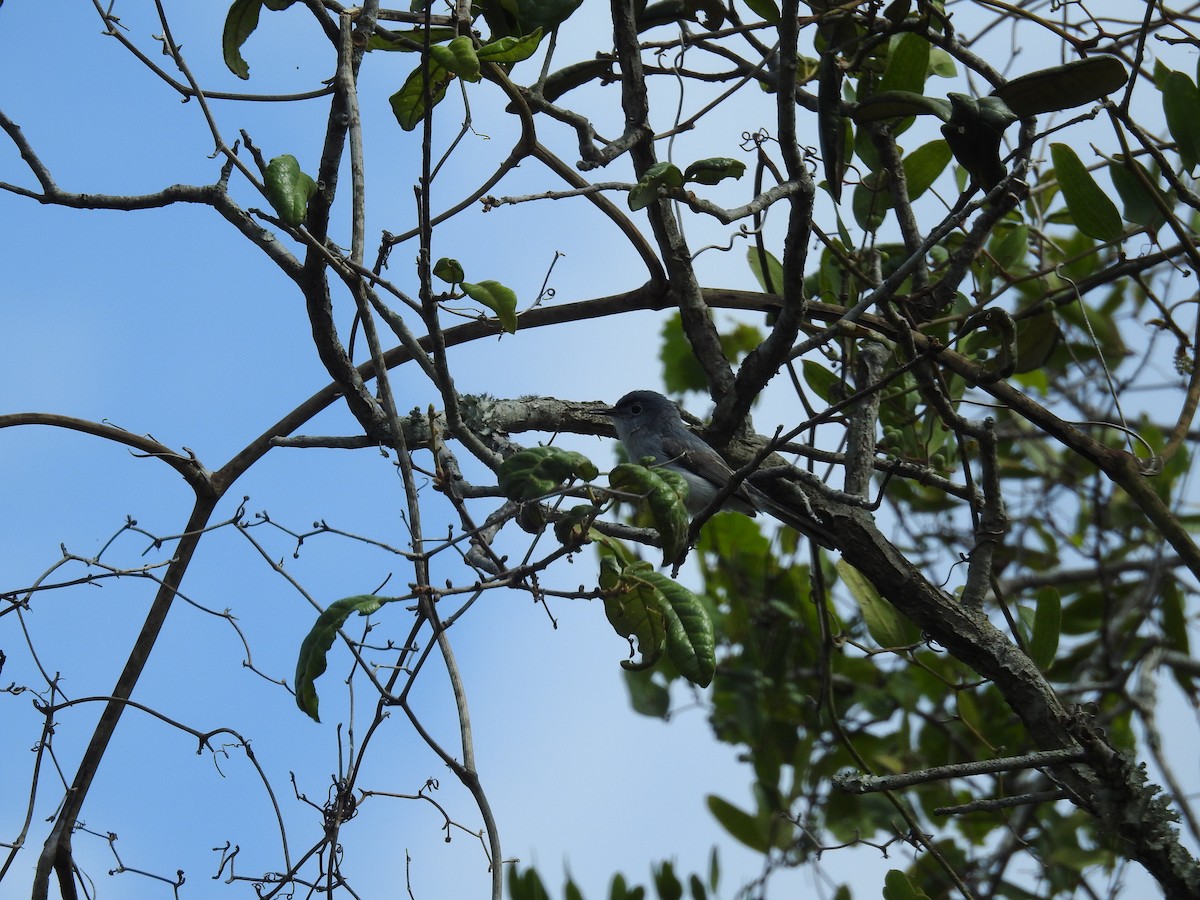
pixel 825 384
pixel 498 298
pixel 923 166
pixel 767 10
pixel 659 175
pixel 1047 626
pixel 539 471
pixel 510 49
pixel 1181 104
pixel 907 65
pixel 288 189
pixel 739 823
pixel 666 883
pixel 573 529
pixel 884 622
pixel 1138 194
pixel 896 886
pixel 1090 207
pixel 240 22
pixel 770 276
pixel 714 170
pixel 458 57
pixel 408 103
pixel 449 270
pixel 664 500
pixel 314 648
pixel 647 696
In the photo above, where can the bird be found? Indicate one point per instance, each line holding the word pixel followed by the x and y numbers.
pixel 650 425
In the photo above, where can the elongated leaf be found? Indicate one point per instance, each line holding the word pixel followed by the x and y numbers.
pixel 714 170
pixel 498 298
pixel 690 640
pixel 1181 104
pixel 1138 194
pixel 240 22
pixel 767 10
pixel 773 269
pixel 311 663
pixel 511 49
pixel 907 65
pixel 1090 207
pixel 288 188
pixel 1047 627
pixel 923 166
pixel 884 622
pixel 892 104
pixel 539 471
pixel 664 499
pixel 408 103
pixel 1063 87
pixel 740 824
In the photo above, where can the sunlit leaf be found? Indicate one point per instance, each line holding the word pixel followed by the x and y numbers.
pixel 923 166
pixel 663 499
pixel 539 471
pixel 499 299
pixel 240 22
pixel 449 270
pixel 884 622
pixel 457 57
pixel 408 103
pixel 311 663
pixel 511 49
pixel 288 189
pixel 714 170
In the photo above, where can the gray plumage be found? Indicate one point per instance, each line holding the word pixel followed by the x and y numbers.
pixel 649 425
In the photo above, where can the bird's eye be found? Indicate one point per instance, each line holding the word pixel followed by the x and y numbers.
pixel 636 409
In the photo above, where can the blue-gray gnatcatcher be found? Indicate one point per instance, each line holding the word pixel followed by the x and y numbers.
pixel 649 425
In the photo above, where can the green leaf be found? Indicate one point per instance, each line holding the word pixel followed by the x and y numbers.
pixel 884 622
pixel 1063 87
pixel 714 170
pixel 449 270
pixel 907 65
pixel 773 269
pixel 314 648
pixel 498 298
pixel 1047 626
pixel 1181 104
pixel 1138 193
pixel 458 57
pixel 539 471
pixel 288 189
pixel 510 49
pixel 923 166
pixel 767 10
pixel 408 103
pixel 690 641
pixel 825 384
pixel 663 498
pixel 1090 208
pixel 900 104
pixel 896 886
pixel 634 611
pixel 240 22
pixel 666 883
pixel 660 175
pixel 647 696
pixel 739 823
